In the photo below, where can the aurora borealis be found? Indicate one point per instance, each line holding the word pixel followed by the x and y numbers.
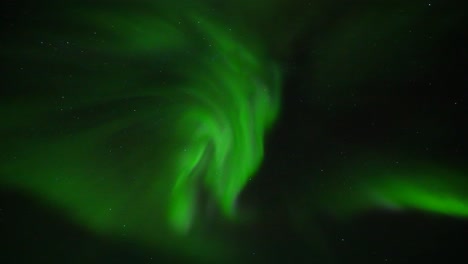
pixel 241 132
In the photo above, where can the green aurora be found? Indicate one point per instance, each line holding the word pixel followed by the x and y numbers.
pixel 424 188
pixel 181 107
pixel 159 155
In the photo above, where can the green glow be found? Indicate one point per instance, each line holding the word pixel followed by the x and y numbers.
pixel 172 135
pixel 431 192
pixel 147 119
pixel 428 189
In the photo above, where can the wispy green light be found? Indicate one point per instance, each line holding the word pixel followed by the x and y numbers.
pixel 428 189
pixel 159 120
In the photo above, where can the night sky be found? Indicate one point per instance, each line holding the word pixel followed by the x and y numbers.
pixel 208 131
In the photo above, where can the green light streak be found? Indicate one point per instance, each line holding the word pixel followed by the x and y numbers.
pixel 434 193
pixel 427 189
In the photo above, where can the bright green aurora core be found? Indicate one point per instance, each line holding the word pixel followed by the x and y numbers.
pixel 181 120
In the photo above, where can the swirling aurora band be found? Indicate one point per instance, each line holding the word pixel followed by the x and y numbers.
pixel 208 127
